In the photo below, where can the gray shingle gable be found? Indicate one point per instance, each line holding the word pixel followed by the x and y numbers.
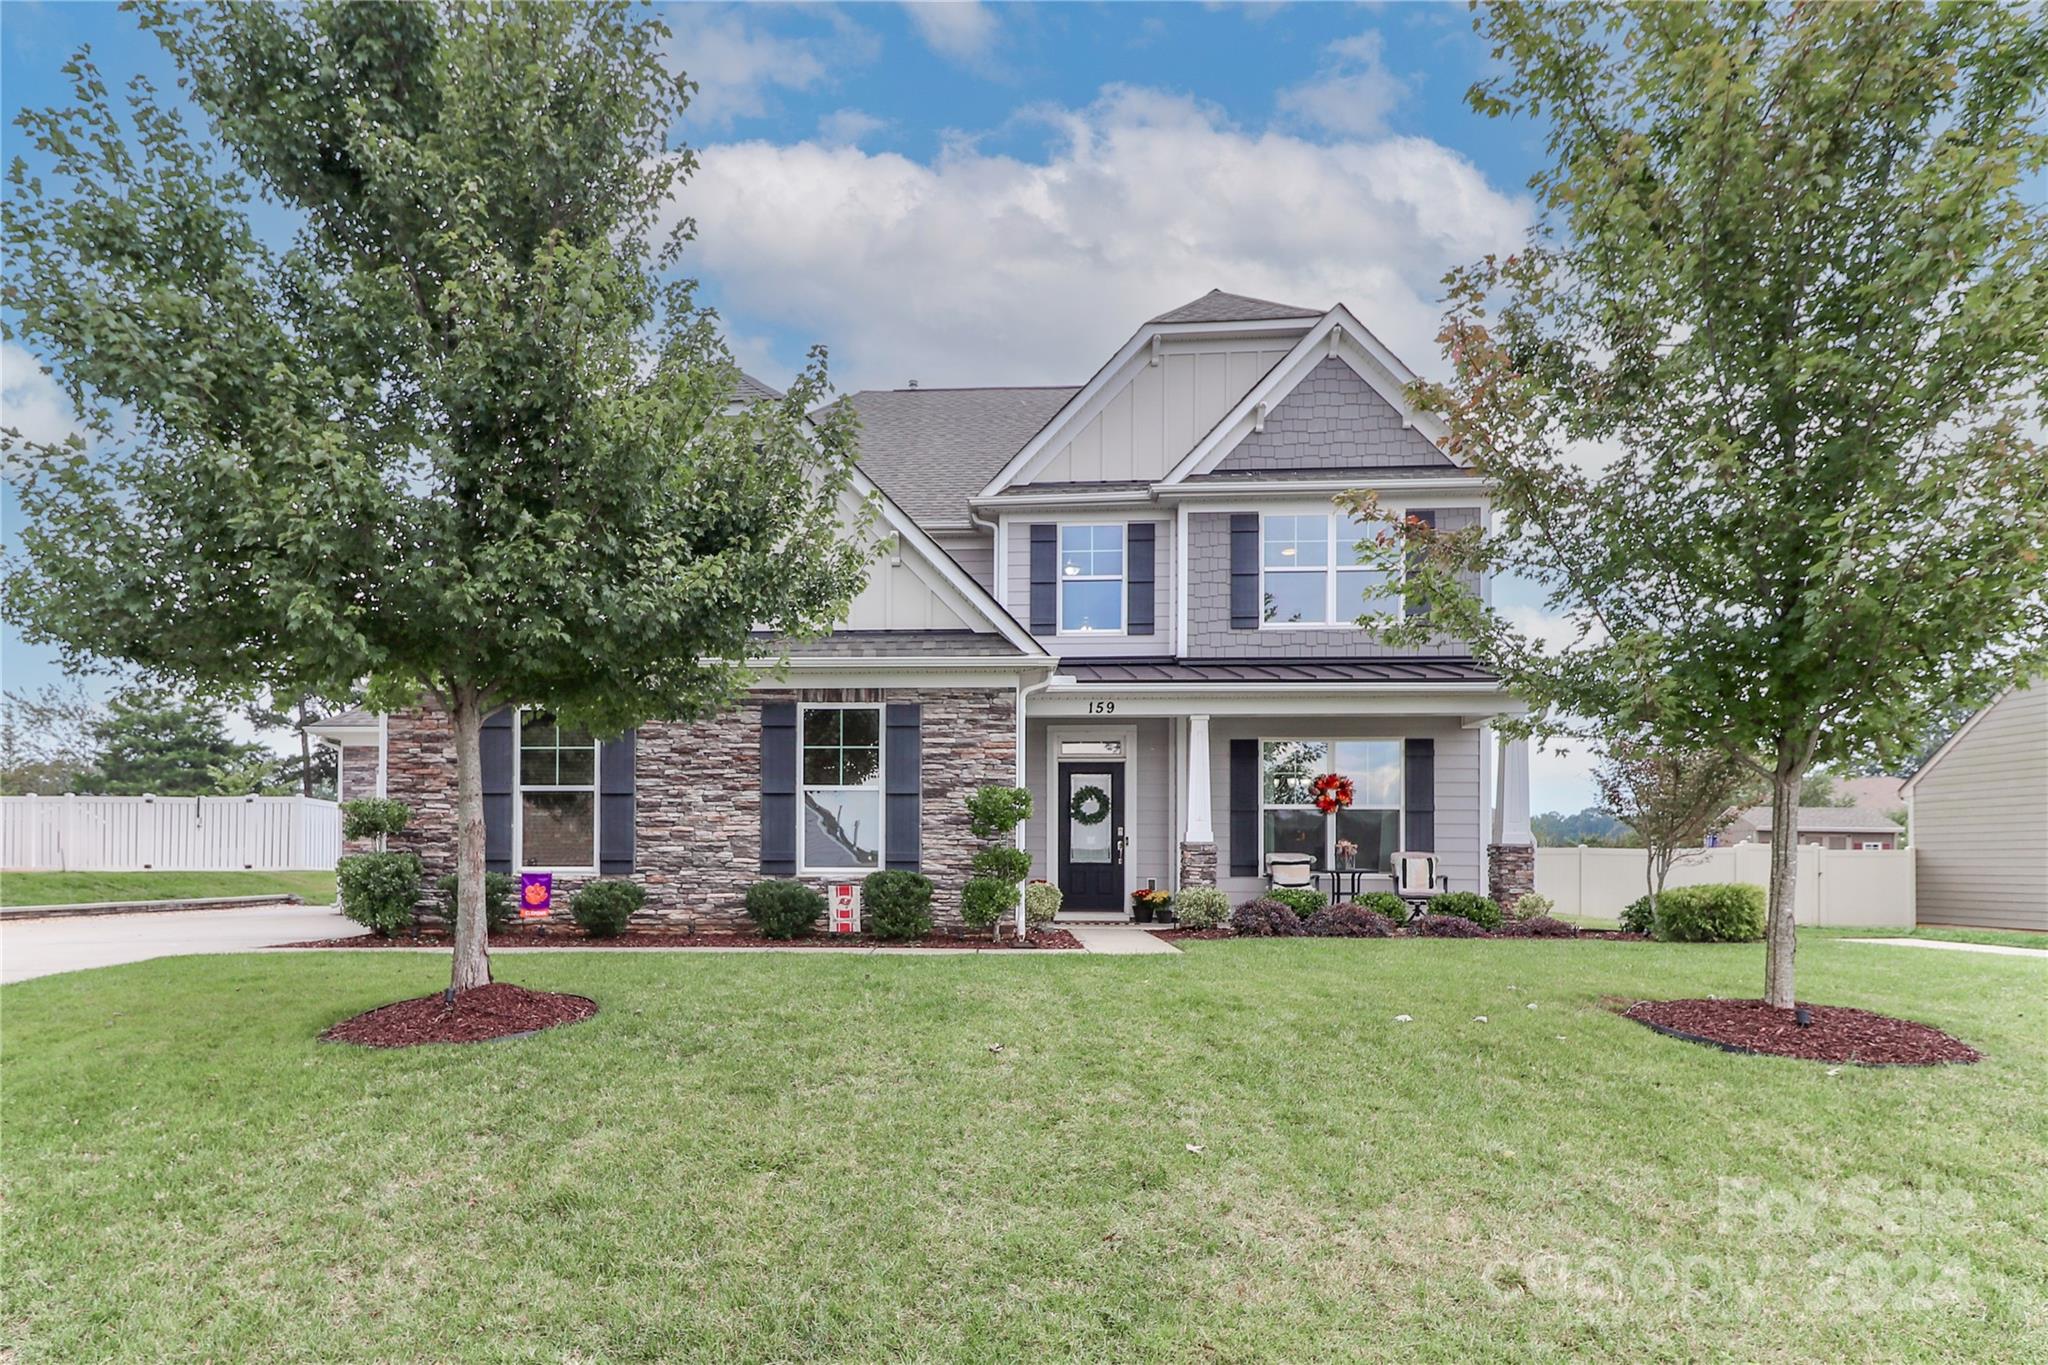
pixel 933 449
pixel 1334 420
pixel 1217 306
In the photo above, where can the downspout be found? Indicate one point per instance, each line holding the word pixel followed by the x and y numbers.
pixel 1023 778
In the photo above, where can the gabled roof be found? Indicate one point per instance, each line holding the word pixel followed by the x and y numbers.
pixel 933 449
pixel 1825 820
pixel 1217 306
pixel 752 390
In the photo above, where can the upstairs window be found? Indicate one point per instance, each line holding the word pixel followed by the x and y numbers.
pixel 1313 574
pixel 557 795
pixel 1092 580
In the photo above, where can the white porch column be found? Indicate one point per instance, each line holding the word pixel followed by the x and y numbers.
pixel 1511 801
pixel 1199 829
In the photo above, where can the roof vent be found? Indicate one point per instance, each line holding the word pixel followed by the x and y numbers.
pixel 913 383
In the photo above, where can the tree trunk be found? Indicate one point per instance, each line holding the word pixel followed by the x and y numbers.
pixel 305 755
pixel 472 945
pixel 1780 939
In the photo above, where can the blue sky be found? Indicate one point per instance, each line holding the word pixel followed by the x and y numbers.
pixel 965 193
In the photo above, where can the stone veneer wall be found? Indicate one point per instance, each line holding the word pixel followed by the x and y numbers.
pixel 1510 872
pixel 697 798
pixel 358 780
pixel 1197 865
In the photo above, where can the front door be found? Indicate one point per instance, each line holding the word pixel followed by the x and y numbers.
pixel 1091 821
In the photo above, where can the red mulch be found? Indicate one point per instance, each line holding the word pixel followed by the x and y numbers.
pixel 668 938
pixel 499 1010
pixel 1836 1034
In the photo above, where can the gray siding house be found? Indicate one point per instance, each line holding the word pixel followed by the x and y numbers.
pixel 1978 813
pixel 1134 596
pixel 1821 826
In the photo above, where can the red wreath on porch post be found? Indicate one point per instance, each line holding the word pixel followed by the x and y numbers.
pixel 1332 792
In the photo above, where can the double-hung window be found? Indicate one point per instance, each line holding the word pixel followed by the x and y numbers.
pixel 1314 573
pixel 557 795
pixel 842 789
pixel 1092 580
pixel 1366 834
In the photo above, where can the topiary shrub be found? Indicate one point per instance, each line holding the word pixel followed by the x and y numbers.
pixel 993 812
pixel 783 909
pixel 1003 863
pixel 1042 902
pixel 1637 917
pixel 985 900
pixel 379 890
pixel 1448 926
pixel 373 817
pixel 1385 903
pixel 1302 900
pixel 1201 907
pixel 896 905
pixel 1346 920
pixel 500 891
pixel 1265 918
pixel 1719 912
pixel 1537 926
pixel 1483 911
pixel 601 909
pixel 1531 905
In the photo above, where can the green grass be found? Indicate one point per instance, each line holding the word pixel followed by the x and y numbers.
pixel 80 888
pixel 820 1158
pixel 2003 938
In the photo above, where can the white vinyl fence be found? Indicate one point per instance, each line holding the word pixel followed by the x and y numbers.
pixel 168 833
pixel 1837 886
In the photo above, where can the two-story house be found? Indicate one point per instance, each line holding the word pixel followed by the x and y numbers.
pixel 1135 597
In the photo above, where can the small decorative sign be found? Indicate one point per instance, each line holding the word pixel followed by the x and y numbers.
pixel 845 913
pixel 536 894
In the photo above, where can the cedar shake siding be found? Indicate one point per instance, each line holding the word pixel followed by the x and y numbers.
pixel 697 798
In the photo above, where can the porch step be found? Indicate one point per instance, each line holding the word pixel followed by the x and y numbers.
pixel 1121 940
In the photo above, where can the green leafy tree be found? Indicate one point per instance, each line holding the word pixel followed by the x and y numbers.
pixel 468 435
pixel 152 741
pixel 46 739
pixel 1755 399
pixel 313 770
pixel 1672 798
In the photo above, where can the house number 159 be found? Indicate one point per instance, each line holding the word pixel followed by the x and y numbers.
pixel 1101 708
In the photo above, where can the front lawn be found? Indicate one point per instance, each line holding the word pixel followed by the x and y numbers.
pixel 84 888
pixel 1234 1155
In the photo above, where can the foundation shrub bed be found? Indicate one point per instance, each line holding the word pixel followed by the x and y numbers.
pixel 379 890
pixel 1302 900
pixel 1346 920
pixel 1266 918
pixel 1447 926
pixel 1718 912
pixel 1385 903
pixel 500 890
pixel 784 909
pixel 603 909
pixel 1201 907
pixel 1483 911
pixel 1536 926
pixel 1637 917
pixel 1042 901
pixel 896 905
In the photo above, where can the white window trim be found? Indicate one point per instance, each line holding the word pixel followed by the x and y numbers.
pixel 520 788
pixel 880 788
pixel 1122 580
pixel 1873 846
pixel 1330 743
pixel 1330 569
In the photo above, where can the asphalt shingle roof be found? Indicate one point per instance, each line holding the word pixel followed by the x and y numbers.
pixel 1827 820
pixel 892 644
pixel 752 390
pixel 1419 671
pixel 1217 306
pixel 933 449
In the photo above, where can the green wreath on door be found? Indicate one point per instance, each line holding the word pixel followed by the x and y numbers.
pixel 1090 806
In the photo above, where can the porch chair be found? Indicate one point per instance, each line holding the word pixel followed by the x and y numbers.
pixel 1290 869
pixel 1416 878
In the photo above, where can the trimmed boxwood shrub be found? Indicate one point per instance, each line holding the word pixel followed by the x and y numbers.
pixel 783 909
pixel 1302 900
pixel 1537 926
pixel 373 817
pixel 1003 863
pixel 1719 912
pixel 1201 907
pixel 1530 905
pixel 1385 903
pixel 985 900
pixel 601 909
pixel 1483 911
pixel 500 889
pixel 1266 918
pixel 1347 921
pixel 1042 901
pixel 379 890
pixel 896 905
pixel 1448 926
pixel 1636 917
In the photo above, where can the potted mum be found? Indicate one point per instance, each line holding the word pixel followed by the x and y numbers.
pixel 1148 901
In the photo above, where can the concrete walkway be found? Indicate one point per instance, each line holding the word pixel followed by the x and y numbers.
pixel 43 947
pixel 1120 940
pixel 1942 945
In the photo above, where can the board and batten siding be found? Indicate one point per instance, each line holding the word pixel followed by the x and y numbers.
pixel 1156 418
pixel 1154 849
pixel 974 551
pixel 1017 526
pixel 1980 820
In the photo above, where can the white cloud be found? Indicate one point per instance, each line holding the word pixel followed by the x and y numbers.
pixel 842 127
pixel 738 65
pixel 964 30
pixel 991 269
pixel 30 400
pixel 1351 93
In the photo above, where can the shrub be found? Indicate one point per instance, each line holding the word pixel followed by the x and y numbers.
pixel 1347 921
pixel 1481 910
pixel 1003 863
pixel 1302 900
pixel 783 909
pixel 1719 912
pixel 1041 903
pixel 985 900
pixel 500 890
pixel 1201 907
pixel 1636 918
pixel 1448 926
pixel 994 811
pixel 1530 906
pixel 1537 926
pixel 373 817
pixel 896 905
pixel 378 890
pixel 601 909
pixel 1266 918
pixel 1385 903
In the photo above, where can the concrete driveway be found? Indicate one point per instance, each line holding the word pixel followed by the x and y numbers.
pixel 43 947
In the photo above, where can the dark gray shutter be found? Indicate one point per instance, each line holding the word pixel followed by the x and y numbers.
pixel 1045 578
pixel 1244 808
pixel 1415 606
pixel 615 805
pixel 498 742
pixel 1244 571
pixel 902 784
pixel 1418 833
pixel 778 788
pixel 1138 542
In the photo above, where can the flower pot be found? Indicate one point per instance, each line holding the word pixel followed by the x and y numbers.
pixel 1142 914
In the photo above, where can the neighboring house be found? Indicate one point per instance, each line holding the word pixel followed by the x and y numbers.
pixel 1884 796
pixel 1978 814
pixel 1134 597
pixel 1821 826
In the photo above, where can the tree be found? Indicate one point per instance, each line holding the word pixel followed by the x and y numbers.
pixel 1754 399
pixel 152 742
pixel 1672 798
pixel 1819 788
pixel 46 740
pixel 1592 827
pixel 463 438
pixel 314 770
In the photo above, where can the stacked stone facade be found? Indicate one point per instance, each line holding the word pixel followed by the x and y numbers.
pixel 1511 872
pixel 1197 865
pixel 697 798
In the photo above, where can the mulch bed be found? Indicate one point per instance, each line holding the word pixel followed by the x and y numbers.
pixel 1837 1034
pixel 1180 935
pixel 499 1010
pixel 1039 940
